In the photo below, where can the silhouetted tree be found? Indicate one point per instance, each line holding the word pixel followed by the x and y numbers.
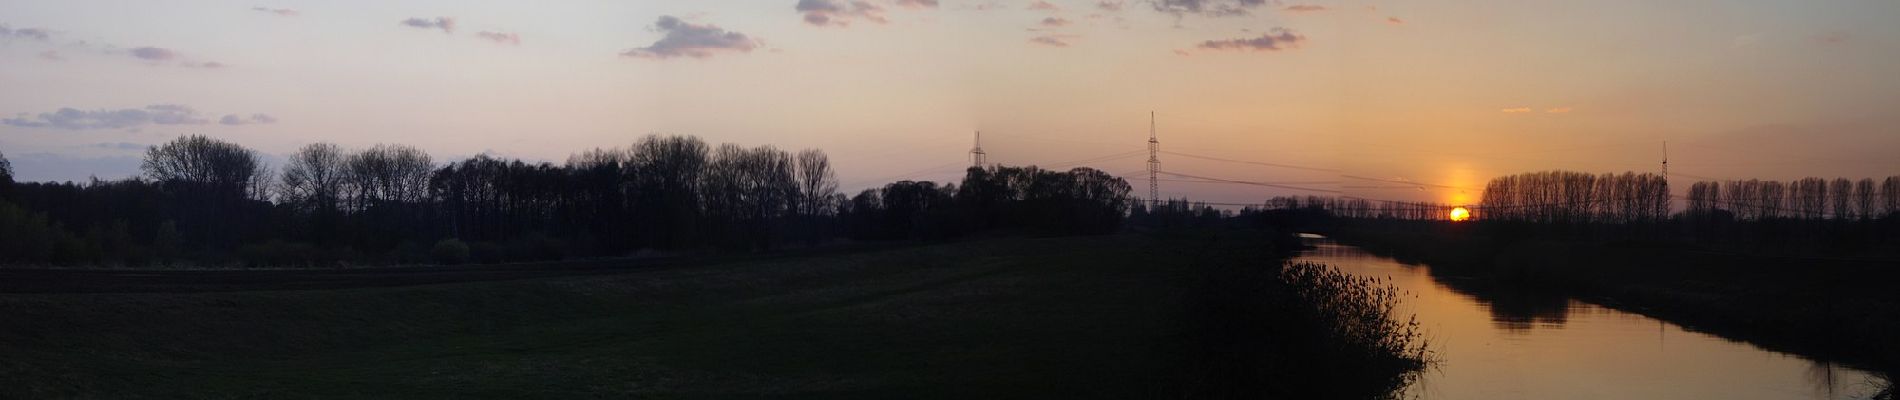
pixel 746 190
pixel 314 178
pixel 818 196
pixel 1571 197
pixel 1865 205
pixel 6 176
pixel 1890 192
pixel 203 164
pixel 388 174
pixel 211 183
pixel 1809 198
pixel 1840 194
pixel 668 178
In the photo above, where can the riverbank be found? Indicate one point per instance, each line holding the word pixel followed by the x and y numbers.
pixel 1199 314
pixel 1832 309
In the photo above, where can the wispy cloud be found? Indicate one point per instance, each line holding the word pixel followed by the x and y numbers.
pixel 1835 37
pixel 1299 8
pixel 839 12
pixel 1054 22
pixel 508 38
pixel 1211 8
pixel 1515 110
pixel 279 11
pixel 446 24
pixel 1109 5
pixel 1557 110
pixel 1394 21
pixel 1275 39
pixel 75 119
pixel 984 6
pixel 234 119
pixel 153 53
pixel 1040 5
pixel 684 39
pixel 121 146
pixel 40 34
pixel 917 3
pixel 1052 40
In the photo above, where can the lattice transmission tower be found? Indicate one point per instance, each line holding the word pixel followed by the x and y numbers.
pixel 1154 162
pixel 976 153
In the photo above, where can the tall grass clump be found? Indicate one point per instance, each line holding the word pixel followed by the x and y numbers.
pixel 1300 330
pixel 1358 315
pixel 1886 386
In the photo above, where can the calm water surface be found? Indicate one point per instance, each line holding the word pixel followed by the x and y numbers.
pixel 1493 344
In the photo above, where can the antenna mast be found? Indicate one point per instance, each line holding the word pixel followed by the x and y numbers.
pixel 976 153
pixel 1154 162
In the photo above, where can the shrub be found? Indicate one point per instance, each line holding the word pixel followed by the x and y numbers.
pixel 450 252
pixel 278 253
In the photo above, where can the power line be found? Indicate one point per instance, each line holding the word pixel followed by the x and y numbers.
pixel 1267 184
pixel 1404 182
pixel 1274 183
pixel 1252 162
pixel 903 175
pixel 1109 157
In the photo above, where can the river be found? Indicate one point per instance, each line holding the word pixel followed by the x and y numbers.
pixel 1494 344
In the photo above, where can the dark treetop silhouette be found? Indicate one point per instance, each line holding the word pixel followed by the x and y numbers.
pixel 204 201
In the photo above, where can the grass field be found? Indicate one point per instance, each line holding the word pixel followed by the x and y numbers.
pixel 1019 317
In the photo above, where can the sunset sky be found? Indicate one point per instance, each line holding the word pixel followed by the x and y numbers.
pixel 1362 95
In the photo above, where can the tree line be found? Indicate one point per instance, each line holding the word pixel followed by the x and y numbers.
pixel 206 201
pixel 1802 199
pixel 1612 198
pixel 1576 197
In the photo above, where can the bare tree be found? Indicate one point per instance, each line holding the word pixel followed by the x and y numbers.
pixel 1772 200
pixel 315 176
pixel 747 188
pixel 203 163
pixel 1810 197
pixel 1890 193
pixel 1703 197
pixel 389 174
pixel 1840 195
pixel 1740 198
pixel 261 188
pixel 667 175
pixel 6 170
pixel 817 183
pixel 1864 205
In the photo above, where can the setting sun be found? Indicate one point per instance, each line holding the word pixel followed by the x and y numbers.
pixel 1460 214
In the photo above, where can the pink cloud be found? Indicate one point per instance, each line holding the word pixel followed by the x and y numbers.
pixel 685 39
pixel 1275 39
pixel 839 12
pixel 508 38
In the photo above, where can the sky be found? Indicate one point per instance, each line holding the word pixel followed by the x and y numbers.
pixel 1396 100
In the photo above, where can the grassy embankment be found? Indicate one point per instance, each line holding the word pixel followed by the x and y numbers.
pixel 1112 316
pixel 1837 309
